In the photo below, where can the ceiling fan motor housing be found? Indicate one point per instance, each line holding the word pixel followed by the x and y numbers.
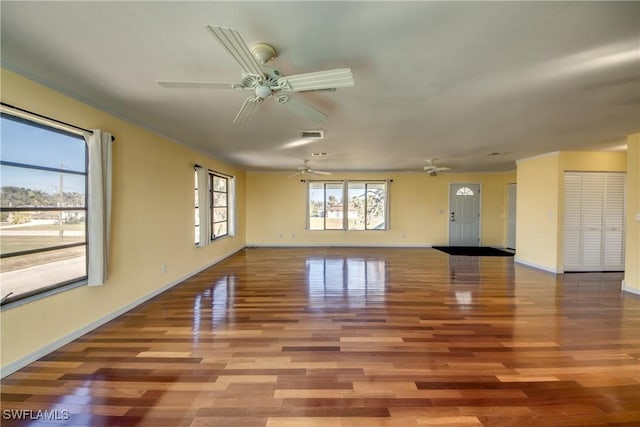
pixel 263 86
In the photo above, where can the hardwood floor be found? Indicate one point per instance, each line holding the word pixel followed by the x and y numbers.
pixel 351 337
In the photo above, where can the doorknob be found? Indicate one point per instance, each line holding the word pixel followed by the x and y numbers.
pixel 453 216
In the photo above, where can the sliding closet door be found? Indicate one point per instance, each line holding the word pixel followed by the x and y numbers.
pixel 593 221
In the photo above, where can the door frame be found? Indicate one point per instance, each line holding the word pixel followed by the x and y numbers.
pixel 451 184
pixel 511 185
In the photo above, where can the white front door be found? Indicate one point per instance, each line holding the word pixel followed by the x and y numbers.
pixel 464 215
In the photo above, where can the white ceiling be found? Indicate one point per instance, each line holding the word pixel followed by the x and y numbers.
pixel 448 80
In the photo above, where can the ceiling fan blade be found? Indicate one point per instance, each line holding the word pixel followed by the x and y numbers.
pixel 330 79
pixel 302 108
pixel 198 85
pixel 320 172
pixel 247 111
pixel 233 43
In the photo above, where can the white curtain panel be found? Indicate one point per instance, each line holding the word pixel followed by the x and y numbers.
pixel 99 204
pixel 204 206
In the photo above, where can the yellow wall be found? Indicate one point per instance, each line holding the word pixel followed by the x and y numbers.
pixel 152 224
pixel 540 213
pixel 632 249
pixel 537 210
pixel 593 161
pixel 419 204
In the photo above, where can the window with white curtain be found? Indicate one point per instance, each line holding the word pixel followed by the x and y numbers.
pixel 43 209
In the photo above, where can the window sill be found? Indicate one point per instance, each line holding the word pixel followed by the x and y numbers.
pixel 41 295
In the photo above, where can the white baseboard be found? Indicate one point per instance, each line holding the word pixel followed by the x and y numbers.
pixel 333 245
pixel 537 266
pixel 32 357
pixel 629 289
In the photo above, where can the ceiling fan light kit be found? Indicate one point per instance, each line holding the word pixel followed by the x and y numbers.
pixel 266 81
pixel 263 91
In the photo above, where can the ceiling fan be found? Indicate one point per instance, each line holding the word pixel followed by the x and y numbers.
pixel 305 169
pixel 266 81
pixel 432 169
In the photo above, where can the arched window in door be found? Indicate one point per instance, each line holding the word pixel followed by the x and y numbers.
pixel 464 191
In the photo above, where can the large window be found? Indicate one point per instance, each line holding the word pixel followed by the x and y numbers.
pixel 43 209
pixel 326 207
pixel 365 207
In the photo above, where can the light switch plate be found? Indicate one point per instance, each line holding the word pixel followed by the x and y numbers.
pixel 638 217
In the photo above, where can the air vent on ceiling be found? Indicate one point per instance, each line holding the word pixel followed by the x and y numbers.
pixel 312 134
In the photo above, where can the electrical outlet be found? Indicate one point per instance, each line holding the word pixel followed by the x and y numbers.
pixel 163 268
pixel 638 217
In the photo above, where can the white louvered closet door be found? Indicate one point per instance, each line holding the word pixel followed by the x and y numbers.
pixel 613 232
pixel 593 221
pixel 572 221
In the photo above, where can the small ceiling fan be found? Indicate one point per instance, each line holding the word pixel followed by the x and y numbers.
pixel 266 81
pixel 306 170
pixel 432 169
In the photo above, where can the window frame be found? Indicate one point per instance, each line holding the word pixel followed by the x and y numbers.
pixel 366 202
pixel 49 125
pixel 204 205
pixel 465 191
pixel 324 204
pixel 197 206
pixel 345 204
pixel 212 205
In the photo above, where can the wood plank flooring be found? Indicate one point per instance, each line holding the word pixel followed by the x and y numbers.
pixel 350 337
